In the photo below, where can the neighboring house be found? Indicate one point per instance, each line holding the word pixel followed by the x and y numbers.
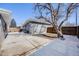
pixel 35 26
pixel 5 17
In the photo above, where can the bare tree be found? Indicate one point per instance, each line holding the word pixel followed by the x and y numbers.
pixel 56 12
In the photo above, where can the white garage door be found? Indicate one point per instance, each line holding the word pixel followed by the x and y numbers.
pixel 38 29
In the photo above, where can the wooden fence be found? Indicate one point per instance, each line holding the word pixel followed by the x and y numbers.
pixel 65 30
pixel 14 29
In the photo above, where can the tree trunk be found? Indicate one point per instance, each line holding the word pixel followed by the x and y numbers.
pixel 59 32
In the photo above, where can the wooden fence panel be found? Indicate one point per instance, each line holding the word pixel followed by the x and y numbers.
pixel 65 30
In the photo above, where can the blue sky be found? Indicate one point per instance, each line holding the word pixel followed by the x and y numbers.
pixel 21 12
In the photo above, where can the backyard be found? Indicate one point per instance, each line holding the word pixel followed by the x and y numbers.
pixel 24 44
pixel 40 29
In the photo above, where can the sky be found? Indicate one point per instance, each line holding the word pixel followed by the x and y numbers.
pixel 22 12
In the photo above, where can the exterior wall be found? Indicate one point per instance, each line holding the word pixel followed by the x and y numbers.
pixel 1 33
pixel 6 15
pixel 34 28
pixel 37 28
pixel 5 18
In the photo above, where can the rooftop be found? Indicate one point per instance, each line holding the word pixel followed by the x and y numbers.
pixel 4 11
pixel 36 21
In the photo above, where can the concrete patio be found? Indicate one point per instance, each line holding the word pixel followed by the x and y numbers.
pixel 22 44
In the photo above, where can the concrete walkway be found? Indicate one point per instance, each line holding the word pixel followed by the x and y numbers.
pixel 59 47
pixel 22 44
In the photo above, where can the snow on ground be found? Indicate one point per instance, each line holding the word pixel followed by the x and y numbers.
pixel 21 44
pixel 57 47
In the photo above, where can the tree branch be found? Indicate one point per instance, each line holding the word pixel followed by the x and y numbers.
pixel 70 8
pixel 42 17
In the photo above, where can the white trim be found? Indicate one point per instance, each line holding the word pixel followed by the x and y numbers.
pixel 5 10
